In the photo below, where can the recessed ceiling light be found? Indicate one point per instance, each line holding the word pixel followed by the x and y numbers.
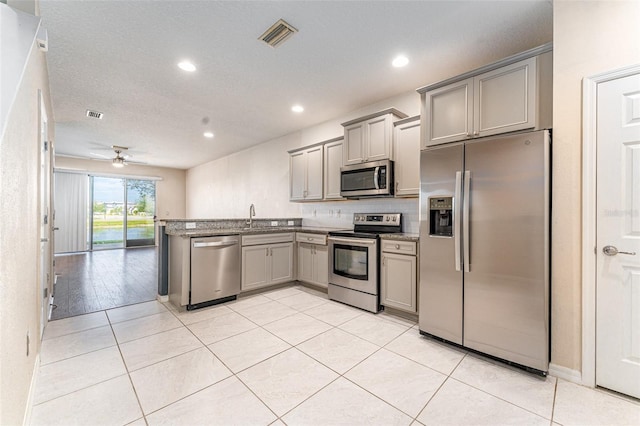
pixel 400 61
pixel 187 66
pixel 208 135
pixel 297 108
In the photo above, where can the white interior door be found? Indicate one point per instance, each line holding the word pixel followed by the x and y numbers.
pixel 618 236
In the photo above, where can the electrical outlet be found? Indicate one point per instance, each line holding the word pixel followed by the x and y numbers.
pixel 190 225
pixel 274 223
pixel 290 223
pixel 338 213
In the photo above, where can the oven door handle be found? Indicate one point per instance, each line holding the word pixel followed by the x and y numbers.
pixel 355 241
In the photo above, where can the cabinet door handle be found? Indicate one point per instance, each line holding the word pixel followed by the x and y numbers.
pixel 397 185
pixel 397 246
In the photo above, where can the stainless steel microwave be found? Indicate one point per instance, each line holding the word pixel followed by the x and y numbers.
pixel 373 179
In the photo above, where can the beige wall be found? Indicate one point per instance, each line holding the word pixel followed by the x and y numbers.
pixel 170 190
pixel 590 37
pixel 225 188
pixel 19 239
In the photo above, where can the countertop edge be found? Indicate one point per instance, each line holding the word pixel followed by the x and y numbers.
pixel 253 231
pixel 401 237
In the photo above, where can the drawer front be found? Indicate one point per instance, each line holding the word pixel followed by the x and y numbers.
pixel 253 240
pixel 400 247
pixel 303 237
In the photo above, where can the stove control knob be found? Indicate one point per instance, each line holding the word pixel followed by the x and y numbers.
pixel 388 218
pixel 394 218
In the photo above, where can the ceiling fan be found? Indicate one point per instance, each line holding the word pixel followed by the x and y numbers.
pixel 122 157
pixel 119 160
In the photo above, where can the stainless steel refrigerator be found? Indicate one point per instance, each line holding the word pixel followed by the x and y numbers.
pixel 484 246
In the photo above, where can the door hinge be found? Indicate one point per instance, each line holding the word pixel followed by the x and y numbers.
pixel 46 219
pixel 46 145
pixel 45 293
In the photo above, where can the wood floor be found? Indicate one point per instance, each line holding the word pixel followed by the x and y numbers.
pixel 94 281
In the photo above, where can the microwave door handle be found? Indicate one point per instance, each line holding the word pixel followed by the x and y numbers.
pixel 376 176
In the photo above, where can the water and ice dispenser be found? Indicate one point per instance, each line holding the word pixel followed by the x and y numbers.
pixel 441 216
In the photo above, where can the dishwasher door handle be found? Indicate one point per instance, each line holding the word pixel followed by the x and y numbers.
pixel 215 244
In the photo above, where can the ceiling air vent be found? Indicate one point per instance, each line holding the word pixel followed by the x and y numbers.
pixel 278 33
pixel 94 114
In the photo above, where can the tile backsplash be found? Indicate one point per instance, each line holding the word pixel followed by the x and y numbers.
pixel 340 213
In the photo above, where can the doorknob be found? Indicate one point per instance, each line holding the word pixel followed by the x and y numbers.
pixel 55 229
pixel 612 251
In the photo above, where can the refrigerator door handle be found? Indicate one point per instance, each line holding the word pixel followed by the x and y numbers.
pixel 456 219
pixel 465 220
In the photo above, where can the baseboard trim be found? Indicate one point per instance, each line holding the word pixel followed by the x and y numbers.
pixel 32 391
pixel 565 373
pixel 162 299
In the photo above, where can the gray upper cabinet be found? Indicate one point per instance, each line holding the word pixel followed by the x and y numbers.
pixel 406 148
pixel 314 171
pixel 504 100
pixel 370 138
pixel 332 163
pixel 510 95
pixel 306 174
pixel 449 113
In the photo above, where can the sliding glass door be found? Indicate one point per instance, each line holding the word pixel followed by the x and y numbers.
pixel 107 228
pixel 122 212
pixel 141 208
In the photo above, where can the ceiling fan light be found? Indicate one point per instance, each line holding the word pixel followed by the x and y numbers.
pixel 118 162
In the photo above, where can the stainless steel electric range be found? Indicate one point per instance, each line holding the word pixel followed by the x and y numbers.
pixel 354 259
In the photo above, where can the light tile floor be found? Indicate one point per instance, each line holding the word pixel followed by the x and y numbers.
pixel 289 356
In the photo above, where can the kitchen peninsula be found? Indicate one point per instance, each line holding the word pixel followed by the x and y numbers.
pixel 263 253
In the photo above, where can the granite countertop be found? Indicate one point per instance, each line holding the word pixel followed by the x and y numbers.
pixel 195 233
pixel 401 236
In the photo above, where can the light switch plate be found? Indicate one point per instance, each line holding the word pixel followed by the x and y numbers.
pixel 290 223
pixel 190 225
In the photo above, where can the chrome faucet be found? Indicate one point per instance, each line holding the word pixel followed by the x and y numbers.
pixel 252 213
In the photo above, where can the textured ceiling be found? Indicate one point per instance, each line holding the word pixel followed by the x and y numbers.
pixel 119 58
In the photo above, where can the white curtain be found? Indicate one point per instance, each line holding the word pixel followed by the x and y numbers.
pixel 71 204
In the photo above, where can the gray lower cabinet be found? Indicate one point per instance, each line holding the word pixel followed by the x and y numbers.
pixel 399 275
pixel 267 259
pixel 313 259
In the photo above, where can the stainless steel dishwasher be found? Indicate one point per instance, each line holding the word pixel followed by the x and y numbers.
pixel 215 270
